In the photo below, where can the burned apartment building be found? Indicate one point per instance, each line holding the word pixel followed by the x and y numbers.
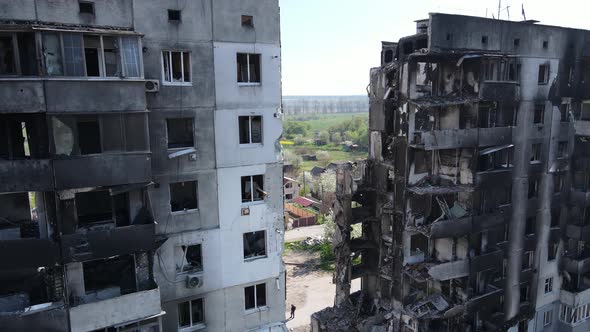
pixel 473 200
pixel 140 179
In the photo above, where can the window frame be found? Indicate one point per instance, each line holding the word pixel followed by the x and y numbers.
pixel 184 211
pixel 547 317
pixel 546 73
pixel 256 307
pixel 42 65
pixel 192 325
pixel 190 69
pixel 252 201
pixel 252 258
pixel 168 133
pixel 184 251
pixel 548 286
pixel 249 82
pixel 251 144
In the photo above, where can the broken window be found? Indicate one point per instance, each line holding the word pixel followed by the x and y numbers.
pixel 93 207
pixel 111 56
pixel 547 317
pixel 552 251
pixel 564 112
pixel 484 40
pixel 248 67
pixel 543 74
pixel 254 245
pixel 536 152
pixel 250 129
pixel 89 136
pixel 255 296
pixel 558 183
pixel 180 133
pixel 516 42
pixel 174 15
pixel 110 277
pixel 528 260
pixel 545 44
pixel 489 69
pixel 506 196
pixel 289 196
pixel 253 188
pixel 562 149
pixel 91 55
pixel 189 259
pixel 418 244
pixel 184 196
pixel 533 188
pixel 539 115
pixel 548 285
pixel 176 67
pixel 52 54
pixel 7 56
pixel 388 56
pixel 86 7
pixel 247 21
pixel 530 225
pixel 191 313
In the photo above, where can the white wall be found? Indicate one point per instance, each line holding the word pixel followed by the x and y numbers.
pixel 265 215
pixel 229 95
pixel 227 140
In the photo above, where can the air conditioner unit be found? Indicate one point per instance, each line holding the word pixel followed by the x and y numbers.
pixel 245 211
pixel 194 281
pixel 152 86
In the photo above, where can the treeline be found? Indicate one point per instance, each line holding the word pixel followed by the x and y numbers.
pixel 297 105
pixel 355 130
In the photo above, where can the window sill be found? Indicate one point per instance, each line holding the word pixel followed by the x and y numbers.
pixel 252 203
pixel 189 211
pixel 255 310
pixel 192 328
pixel 250 145
pixel 251 259
pixel 240 84
pixel 177 83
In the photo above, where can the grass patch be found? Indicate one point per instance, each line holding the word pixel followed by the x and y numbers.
pixel 327 257
pixel 319 122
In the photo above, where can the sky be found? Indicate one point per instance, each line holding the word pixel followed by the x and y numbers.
pixel 328 46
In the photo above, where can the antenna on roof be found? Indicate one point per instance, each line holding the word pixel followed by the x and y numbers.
pixel 499 7
pixel 523 14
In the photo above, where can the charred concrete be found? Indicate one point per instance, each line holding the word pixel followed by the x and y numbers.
pixel 467 198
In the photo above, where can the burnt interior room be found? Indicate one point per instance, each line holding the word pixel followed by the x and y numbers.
pixel 19 216
pixel 116 274
pixel 23 136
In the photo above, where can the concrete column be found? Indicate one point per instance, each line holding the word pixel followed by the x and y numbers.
pixel 341 240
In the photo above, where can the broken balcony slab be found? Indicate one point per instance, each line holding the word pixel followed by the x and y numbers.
pixel 440 190
pixel 429 102
pixel 425 271
pixel 108 242
pixel 42 317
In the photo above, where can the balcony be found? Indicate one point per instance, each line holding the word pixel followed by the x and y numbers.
pixel 489 299
pixel 576 263
pixel 501 91
pixel 578 232
pixel 105 243
pixel 582 128
pixel 102 170
pixel 575 299
pixel 114 311
pixel 80 96
pixel 25 175
pixel 21 96
pixel 440 271
pixel 487 261
pixel 28 253
pixel 462 138
pixel 579 198
pixel 41 317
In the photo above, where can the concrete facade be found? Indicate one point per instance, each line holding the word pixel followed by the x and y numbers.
pixel 123 161
pixel 466 197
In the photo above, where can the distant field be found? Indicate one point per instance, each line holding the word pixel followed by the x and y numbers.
pixel 319 122
pixel 336 154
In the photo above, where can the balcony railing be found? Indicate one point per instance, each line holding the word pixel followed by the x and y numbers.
pixel 25 175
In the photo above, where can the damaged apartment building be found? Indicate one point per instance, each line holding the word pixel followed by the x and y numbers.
pixel 473 200
pixel 140 179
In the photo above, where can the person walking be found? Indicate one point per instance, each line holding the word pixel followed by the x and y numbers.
pixel 293 307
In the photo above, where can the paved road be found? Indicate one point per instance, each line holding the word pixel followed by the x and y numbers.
pixel 303 233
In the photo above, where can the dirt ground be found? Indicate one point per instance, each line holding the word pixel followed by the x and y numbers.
pixel 308 288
